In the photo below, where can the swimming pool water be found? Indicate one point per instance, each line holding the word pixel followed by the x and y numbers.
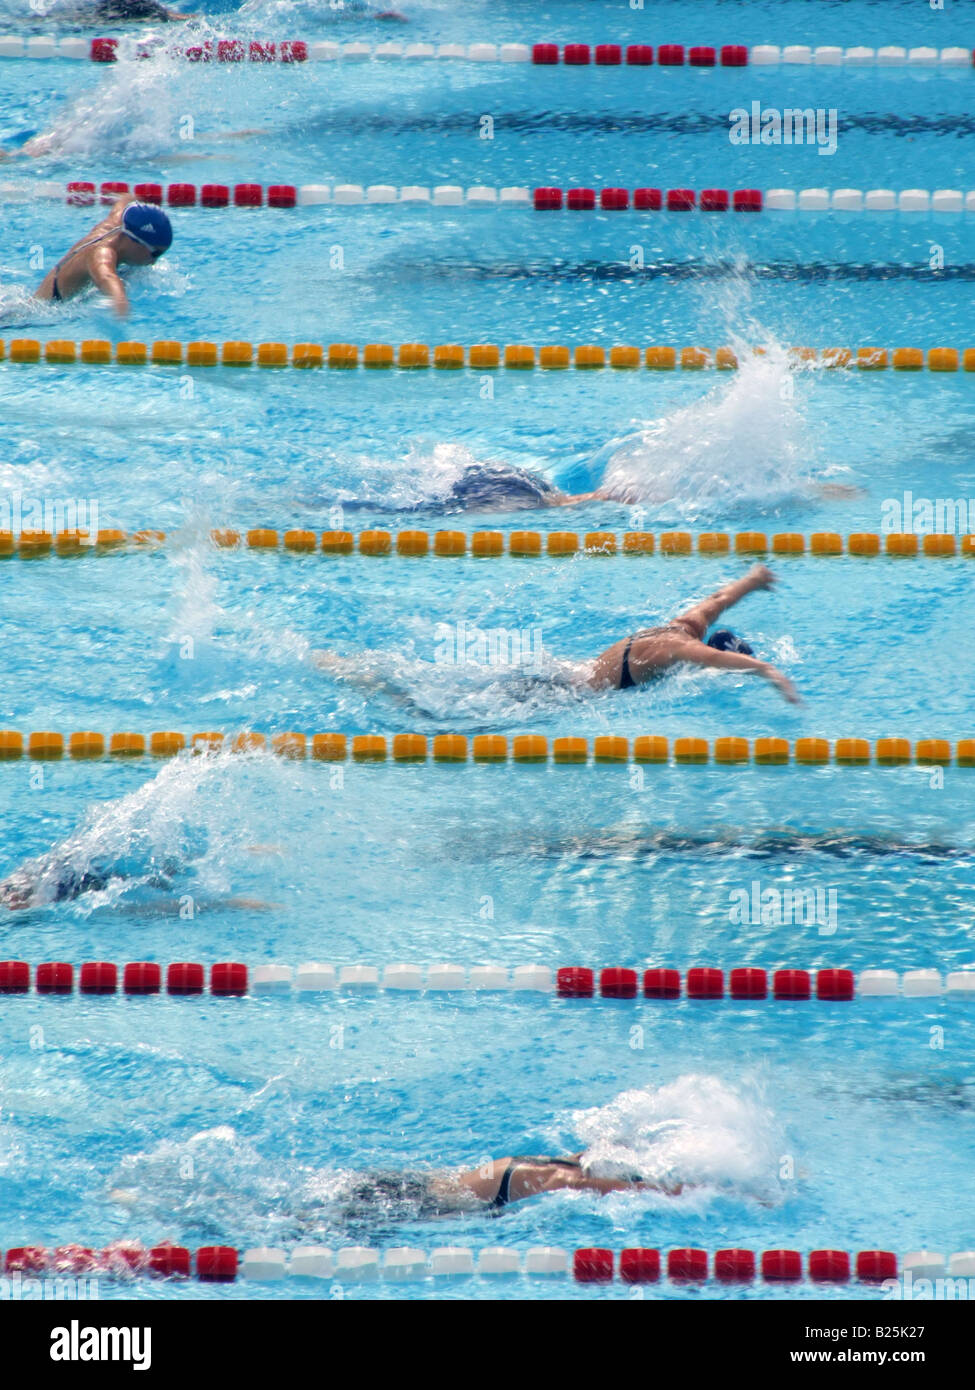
pixel 797 1125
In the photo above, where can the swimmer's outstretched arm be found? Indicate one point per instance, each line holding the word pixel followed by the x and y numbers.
pixel 530 1179
pixel 572 499
pixel 703 614
pixel 700 654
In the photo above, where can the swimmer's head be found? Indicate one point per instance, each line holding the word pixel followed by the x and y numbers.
pixel 724 640
pixel 148 227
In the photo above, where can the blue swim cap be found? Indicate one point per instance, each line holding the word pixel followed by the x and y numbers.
pixel 724 640
pixel 149 226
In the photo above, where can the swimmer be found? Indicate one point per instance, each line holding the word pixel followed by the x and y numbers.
pixel 633 661
pixel 53 878
pixel 132 234
pixel 511 1179
pixel 648 653
pixel 488 1189
pixel 126 11
pixel 502 487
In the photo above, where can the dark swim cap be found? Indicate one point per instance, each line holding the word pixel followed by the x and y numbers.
pixel 149 226
pixel 724 640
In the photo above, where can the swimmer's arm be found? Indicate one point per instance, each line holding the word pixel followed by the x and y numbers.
pixel 699 654
pixel 573 499
pixel 583 1183
pixel 103 270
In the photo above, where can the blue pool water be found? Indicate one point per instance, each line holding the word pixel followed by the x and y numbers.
pixel 797 1125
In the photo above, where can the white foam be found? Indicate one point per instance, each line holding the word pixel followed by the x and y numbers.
pixel 134 112
pixel 182 830
pixel 697 1130
pixel 745 442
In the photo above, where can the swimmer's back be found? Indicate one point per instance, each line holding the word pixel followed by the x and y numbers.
pixel 495 487
pixel 118 11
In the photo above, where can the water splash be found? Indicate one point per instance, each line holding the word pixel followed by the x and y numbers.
pixel 133 113
pixel 212 1185
pixel 468 696
pixel 187 819
pixel 745 443
pixel 697 1130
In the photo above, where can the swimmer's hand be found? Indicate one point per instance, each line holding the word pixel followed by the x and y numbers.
pixel 760 577
pixel 783 685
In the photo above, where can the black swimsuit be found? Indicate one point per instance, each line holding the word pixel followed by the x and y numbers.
pixel 626 680
pixel 503 1196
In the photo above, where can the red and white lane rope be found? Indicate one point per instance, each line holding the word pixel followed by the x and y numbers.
pixel 592 1265
pixel 227 979
pixel 570 55
pixel 89 192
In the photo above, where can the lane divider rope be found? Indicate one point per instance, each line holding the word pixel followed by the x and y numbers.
pixel 666 55
pixel 234 979
pixel 455 356
pixel 86 193
pixel 30 545
pixel 589 1265
pixel 607 750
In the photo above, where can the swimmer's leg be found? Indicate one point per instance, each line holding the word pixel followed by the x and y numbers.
pixel 350 670
pixel 839 491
